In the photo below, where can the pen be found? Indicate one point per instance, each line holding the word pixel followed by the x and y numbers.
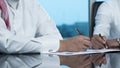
pixel 101 36
pixel 103 39
pixel 78 31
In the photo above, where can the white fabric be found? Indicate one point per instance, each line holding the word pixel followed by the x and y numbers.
pixel 49 61
pixel 29 61
pixel 32 30
pixel 108 24
pixel 13 3
pixel 108 19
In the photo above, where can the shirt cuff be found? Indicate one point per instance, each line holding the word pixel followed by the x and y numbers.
pixel 31 47
pixel 49 46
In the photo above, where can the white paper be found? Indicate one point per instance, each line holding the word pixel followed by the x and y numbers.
pixel 86 52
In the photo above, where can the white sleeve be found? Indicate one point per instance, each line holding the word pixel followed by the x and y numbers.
pixel 47 32
pixel 103 20
pixel 10 43
pixel 46 40
pixel 22 61
pixel 49 61
pixel 29 61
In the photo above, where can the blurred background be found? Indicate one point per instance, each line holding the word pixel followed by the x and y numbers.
pixel 69 15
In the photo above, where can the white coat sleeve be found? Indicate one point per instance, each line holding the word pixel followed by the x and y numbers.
pixel 103 20
pixel 47 33
pixel 46 40
pixel 10 43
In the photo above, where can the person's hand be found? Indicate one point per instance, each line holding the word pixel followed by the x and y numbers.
pixel 113 44
pixel 98 59
pixel 78 43
pixel 76 61
pixel 98 42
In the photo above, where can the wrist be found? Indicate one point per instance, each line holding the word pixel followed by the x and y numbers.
pixel 62 46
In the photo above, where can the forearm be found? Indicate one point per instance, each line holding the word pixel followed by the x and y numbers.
pixel 17 45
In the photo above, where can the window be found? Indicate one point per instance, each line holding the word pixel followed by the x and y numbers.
pixel 68 15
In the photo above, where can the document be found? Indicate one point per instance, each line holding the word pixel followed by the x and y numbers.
pixel 89 51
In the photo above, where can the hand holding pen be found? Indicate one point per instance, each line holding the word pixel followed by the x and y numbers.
pixel 84 40
pixel 98 42
pixel 110 44
pixel 104 41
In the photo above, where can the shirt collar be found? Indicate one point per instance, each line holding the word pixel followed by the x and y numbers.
pixel 13 3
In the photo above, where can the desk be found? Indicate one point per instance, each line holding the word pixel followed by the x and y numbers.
pixel 108 60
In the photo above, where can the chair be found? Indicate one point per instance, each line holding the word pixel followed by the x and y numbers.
pixel 94 11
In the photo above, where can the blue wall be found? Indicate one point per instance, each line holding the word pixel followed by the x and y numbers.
pixel 68 15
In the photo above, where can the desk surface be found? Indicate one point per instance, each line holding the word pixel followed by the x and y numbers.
pixel 108 60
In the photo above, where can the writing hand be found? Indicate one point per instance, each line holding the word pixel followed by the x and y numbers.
pixel 98 42
pixel 78 43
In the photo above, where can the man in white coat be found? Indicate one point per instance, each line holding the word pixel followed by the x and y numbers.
pixel 107 24
pixel 26 27
pixel 107 30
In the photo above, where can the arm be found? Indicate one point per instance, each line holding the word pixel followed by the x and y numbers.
pixel 47 33
pixel 10 43
pixel 103 20
pixel 45 40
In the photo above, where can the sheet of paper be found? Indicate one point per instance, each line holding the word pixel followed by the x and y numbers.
pixel 86 52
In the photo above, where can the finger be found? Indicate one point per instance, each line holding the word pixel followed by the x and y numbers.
pixel 100 39
pixel 93 44
pixel 104 38
pixel 82 47
pixel 104 60
pixel 96 44
pixel 85 38
pixel 86 57
pixel 99 44
pixel 99 59
pixel 86 63
pixel 103 41
pixel 87 43
pixel 83 58
pixel 96 56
